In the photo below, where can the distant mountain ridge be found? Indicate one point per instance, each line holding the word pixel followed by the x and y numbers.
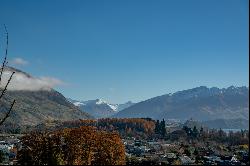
pixel 202 103
pixel 100 108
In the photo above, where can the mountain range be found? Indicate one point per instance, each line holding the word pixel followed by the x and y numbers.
pixel 100 108
pixel 201 103
pixel 37 102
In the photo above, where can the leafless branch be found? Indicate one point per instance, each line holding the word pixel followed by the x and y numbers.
pixel 1 74
pixel 8 113
pixel 6 53
pixel 5 88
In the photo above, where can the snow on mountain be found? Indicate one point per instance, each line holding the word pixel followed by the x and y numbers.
pixel 100 108
pixel 78 103
pixel 100 101
pixel 113 107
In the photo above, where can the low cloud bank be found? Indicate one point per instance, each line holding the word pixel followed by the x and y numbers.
pixel 22 81
pixel 19 61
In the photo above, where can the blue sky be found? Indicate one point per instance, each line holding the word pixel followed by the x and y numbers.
pixel 129 50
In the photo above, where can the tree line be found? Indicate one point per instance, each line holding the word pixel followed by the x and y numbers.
pixel 215 135
pixel 133 127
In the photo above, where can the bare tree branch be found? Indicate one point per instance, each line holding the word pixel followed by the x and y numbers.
pixel 1 74
pixel 8 113
pixel 5 88
pixel 6 53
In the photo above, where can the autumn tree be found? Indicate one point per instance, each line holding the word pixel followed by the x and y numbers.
pixel 109 150
pixel 134 127
pixel 77 146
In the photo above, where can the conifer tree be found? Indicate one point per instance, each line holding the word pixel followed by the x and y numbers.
pixel 195 132
pixel 157 127
pixel 163 128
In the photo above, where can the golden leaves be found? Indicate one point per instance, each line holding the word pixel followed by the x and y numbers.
pixel 78 146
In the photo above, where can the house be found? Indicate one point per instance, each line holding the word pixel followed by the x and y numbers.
pixel 170 155
pixel 154 145
pixel 144 149
pixel 137 151
pixel 185 160
pixel 128 154
pixel 138 143
pixel 148 155
pixel 234 160
pixel 229 160
pixel 212 160
pixel 164 161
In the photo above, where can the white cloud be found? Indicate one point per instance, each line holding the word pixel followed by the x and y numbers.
pixel 22 81
pixel 112 90
pixel 19 61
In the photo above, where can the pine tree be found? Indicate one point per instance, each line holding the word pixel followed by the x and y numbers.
pixel 201 132
pixel 163 128
pixel 195 132
pixel 157 127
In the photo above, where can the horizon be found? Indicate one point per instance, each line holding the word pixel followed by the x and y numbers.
pixel 158 95
pixel 13 87
pixel 123 51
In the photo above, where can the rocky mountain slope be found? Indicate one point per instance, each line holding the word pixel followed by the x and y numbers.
pixel 201 103
pixel 33 107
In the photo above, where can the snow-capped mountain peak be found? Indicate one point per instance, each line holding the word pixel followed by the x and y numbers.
pixel 100 108
pixel 100 101
pixel 112 106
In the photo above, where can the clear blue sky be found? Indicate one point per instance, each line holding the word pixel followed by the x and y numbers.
pixel 130 50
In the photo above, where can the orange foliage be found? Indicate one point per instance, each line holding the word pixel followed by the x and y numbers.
pixel 77 146
pixel 125 126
